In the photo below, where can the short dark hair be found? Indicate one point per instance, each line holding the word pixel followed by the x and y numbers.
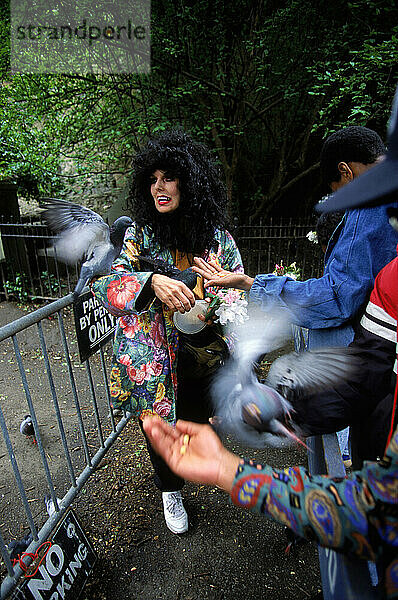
pixel 351 144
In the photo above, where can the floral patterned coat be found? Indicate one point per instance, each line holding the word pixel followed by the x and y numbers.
pixel 143 377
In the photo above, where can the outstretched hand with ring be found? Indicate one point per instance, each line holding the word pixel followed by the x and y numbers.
pixel 192 451
pixel 218 277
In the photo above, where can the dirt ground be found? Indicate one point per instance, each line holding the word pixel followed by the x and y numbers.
pixel 226 554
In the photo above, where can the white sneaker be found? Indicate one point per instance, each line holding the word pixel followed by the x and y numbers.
pixel 174 512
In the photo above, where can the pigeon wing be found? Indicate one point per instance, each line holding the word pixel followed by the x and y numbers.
pixel 61 214
pixel 80 230
pixel 312 371
pixel 261 334
pixel 80 241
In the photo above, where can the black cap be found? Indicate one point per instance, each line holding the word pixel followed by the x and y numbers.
pixel 374 187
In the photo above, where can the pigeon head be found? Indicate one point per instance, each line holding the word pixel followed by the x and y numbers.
pixel 261 406
pixel 119 227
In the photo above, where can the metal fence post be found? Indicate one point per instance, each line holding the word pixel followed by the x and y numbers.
pixel 98 411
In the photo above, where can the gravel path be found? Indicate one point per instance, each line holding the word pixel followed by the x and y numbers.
pixel 226 554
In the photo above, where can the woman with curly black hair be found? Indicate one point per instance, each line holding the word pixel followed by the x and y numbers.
pixel 178 203
pixel 203 195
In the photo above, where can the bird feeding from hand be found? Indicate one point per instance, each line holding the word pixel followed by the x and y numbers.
pixel 83 235
pixel 258 413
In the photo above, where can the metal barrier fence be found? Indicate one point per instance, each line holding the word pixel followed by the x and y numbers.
pixel 266 243
pixel 31 269
pixel 72 418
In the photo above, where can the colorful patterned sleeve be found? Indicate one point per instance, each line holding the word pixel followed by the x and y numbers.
pixel 357 515
pixel 228 255
pixel 229 258
pixel 120 290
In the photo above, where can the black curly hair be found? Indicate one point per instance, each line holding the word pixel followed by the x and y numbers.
pixel 354 143
pixel 203 199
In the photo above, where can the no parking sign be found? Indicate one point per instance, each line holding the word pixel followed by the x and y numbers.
pixel 66 566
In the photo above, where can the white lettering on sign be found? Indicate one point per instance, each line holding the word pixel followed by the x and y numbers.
pixel 100 328
pixel 94 325
pixel 35 585
pixel 54 560
pixel 54 564
pixel 90 304
pixel 82 552
pixel 99 312
pixel 92 334
pixel 74 564
pixel 85 321
pixel 71 530
pixel 62 587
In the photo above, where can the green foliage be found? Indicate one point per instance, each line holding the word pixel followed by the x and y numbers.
pixel 18 288
pixel 260 82
pixel 51 286
pixel 359 82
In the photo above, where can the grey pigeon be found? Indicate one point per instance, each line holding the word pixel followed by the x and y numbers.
pixel 50 505
pixel 256 412
pixel 27 429
pixel 18 547
pixel 82 234
pixel 157 265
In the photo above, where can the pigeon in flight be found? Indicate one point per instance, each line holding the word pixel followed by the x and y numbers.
pixel 256 412
pixel 27 429
pixel 82 235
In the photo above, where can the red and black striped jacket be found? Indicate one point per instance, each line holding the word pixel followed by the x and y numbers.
pixel 367 402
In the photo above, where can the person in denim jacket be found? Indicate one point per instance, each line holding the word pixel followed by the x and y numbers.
pixel 358 249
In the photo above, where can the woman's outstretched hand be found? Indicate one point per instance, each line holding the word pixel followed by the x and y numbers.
pixel 193 452
pixel 216 276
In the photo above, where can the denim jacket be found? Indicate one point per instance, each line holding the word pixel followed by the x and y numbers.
pixel 359 248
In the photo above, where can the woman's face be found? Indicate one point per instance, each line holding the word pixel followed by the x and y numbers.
pixel 165 192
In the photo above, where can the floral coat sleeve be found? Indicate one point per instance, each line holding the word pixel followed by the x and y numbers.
pixel 145 351
pixel 357 515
